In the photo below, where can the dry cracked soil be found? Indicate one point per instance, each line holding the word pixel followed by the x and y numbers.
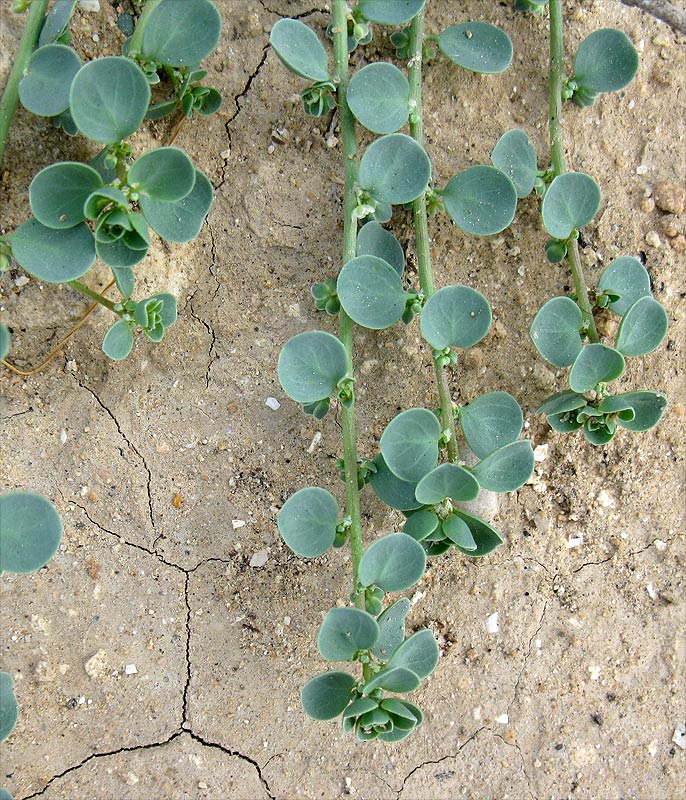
pixel 160 653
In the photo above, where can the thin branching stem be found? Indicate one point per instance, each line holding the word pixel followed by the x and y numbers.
pixel 557 67
pixel 421 224
pixel 348 138
pixel 98 298
pixel 10 95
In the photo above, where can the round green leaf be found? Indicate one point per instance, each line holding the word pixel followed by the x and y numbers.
pixel 378 96
pixel 491 421
pixel 409 444
pixel 643 328
pixel 421 524
pixel 311 365
pixel 180 221
pixel 9 708
pixel 44 89
pixel 648 408
pixel 344 632
pixel 54 256
pixel 447 480
pixel 392 563
pixel 326 695
pixel 596 363
pixel 628 278
pixel 555 331
pixel 456 316
pixel 457 530
pixel 109 98
pixel 125 251
pixel 398 679
pixel 30 532
pixel 300 50
pixel 506 469
pixel 391 629
pixel 5 341
pixel 486 537
pixel 59 192
pixel 373 240
pixel 477 46
pixel 395 492
pixel 481 200
pixel 605 61
pixel 418 653
pixel 165 174
pixel 371 292
pixel 181 33
pixel 394 169
pixel 118 341
pixel 515 156
pixel 570 202
pixel 390 12
pixel 308 521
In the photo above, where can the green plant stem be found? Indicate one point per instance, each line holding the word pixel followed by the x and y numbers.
pixel 80 287
pixel 421 223
pixel 347 123
pixel 10 96
pixel 136 40
pixel 557 153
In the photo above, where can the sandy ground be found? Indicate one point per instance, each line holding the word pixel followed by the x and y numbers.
pixel 580 691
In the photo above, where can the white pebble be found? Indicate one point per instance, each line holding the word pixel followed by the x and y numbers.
pixel 315 441
pixel 641 169
pixel 503 719
pixel 575 541
pixel 259 559
pixel 660 545
pixel 605 499
pixel 679 737
pixel 90 5
pixel 594 672
pixel 273 403
pixel 541 452
pixel 492 623
pixel 416 597
pixel 651 591
pixel 63 436
pixel 237 523
pixel 130 669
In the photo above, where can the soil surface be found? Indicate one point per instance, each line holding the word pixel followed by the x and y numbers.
pixel 161 652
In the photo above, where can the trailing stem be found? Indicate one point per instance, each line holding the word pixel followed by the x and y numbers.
pixel 10 96
pixel 558 156
pixel 98 298
pixel 347 123
pixel 421 224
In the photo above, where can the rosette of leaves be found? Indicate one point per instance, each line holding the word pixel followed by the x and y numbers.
pixel 30 534
pixel 558 334
pixel 409 478
pixel 105 210
pixel 391 661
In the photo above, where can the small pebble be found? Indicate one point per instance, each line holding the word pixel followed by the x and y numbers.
pixel 679 737
pixel 63 436
pixel 651 591
pixel 653 239
pixel 605 499
pixel 492 623
pixel 92 6
pixel 503 719
pixel 237 523
pixel 541 452
pixel 641 169
pixel 647 204
pixel 259 559
pixel 679 243
pixel 669 197
pixel 669 225
pixel 575 541
pixel 97 665
pixel 273 403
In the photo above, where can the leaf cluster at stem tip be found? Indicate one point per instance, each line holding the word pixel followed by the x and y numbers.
pixel 105 209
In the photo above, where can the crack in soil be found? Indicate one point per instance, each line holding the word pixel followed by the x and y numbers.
pixel 244 91
pixel 212 356
pixel 17 414
pixel 132 447
pixel 151 746
pixel 440 760
pixel 516 747
pixel 294 16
